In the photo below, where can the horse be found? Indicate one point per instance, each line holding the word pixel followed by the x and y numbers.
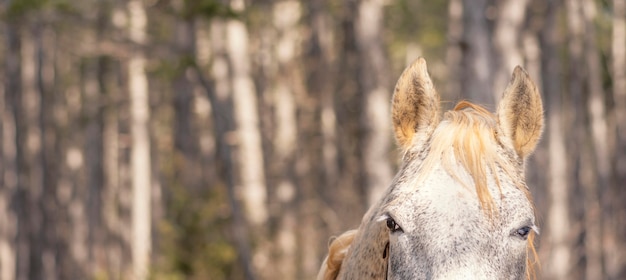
pixel 459 206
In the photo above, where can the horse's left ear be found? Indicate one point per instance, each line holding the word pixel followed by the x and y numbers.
pixel 520 113
pixel 415 106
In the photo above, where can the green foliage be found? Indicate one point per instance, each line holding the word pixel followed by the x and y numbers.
pixel 207 9
pixel 419 23
pixel 194 242
pixel 168 70
pixel 189 9
pixel 19 9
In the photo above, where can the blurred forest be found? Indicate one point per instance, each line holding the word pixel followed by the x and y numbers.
pixel 230 139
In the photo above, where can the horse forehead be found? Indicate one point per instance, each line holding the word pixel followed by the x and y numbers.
pixel 441 200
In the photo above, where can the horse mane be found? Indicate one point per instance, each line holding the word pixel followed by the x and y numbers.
pixel 337 251
pixel 532 259
pixel 472 132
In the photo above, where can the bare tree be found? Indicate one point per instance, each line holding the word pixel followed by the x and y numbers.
pixel 454 50
pixel 477 62
pixel 507 38
pixel 185 140
pixel 138 90
pixel 557 217
pixel 250 157
pixel 601 167
pixel 287 81
pixel 11 153
pixel 615 258
pixel 30 219
pixel 374 85
pixel 220 96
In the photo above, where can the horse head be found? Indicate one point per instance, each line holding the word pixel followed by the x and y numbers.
pixel 459 207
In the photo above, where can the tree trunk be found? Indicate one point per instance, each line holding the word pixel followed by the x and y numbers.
pixel 51 248
pixel 317 162
pixel 349 196
pixel 250 156
pixel 224 124
pixel 615 255
pixel 321 77
pixel 187 171
pixel 93 157
pixel 10 242
pixel 454 50
pixel 252 189
pixel 508 40
pixel 594 200
pixel 477 80
pixel 558 221
pixel 33 172
pixel 110 161
pixel 140 157
pixel 374 85
pixel 287 80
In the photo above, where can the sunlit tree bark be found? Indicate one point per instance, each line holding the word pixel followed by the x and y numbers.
pixel 251 187
pixel 250 157
pixel 220 96
pixel 140 158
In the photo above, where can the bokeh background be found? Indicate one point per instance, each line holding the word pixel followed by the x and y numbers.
pixel 216 139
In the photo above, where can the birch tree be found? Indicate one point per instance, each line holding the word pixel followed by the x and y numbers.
pixel 250 157
pixel 140 158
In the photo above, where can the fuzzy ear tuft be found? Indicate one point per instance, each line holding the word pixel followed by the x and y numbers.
pixel 415 105
pixel 337 251
pixel 520 113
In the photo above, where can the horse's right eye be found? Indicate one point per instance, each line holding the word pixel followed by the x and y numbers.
pixel 523 232
pixel 393 226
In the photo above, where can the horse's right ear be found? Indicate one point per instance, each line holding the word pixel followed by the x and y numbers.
pixel 415 106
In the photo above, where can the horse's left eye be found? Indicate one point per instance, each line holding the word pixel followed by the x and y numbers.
pixel 523 232
pixel 393 226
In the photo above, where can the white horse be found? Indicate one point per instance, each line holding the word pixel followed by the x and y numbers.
pixel 459 207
